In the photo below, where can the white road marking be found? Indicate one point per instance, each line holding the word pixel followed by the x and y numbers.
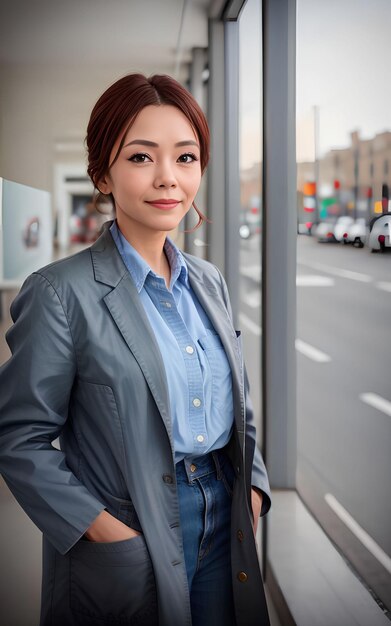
pixel 253 299
pixel 301 346
pixel 384 286
pixel 311 352
pixel 254 272
pixel 358 531
pixel 337 271
pixel 251 271
pixel 377 402
pixel 310 280
pixel 252 326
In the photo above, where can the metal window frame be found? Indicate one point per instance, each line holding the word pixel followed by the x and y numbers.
pixel 279 233
pixel 216 193
pixel 279 229
pixel 223 180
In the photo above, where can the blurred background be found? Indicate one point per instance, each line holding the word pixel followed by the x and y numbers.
pixel 326 550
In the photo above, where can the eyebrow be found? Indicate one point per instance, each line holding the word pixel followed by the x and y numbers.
pixel 145 142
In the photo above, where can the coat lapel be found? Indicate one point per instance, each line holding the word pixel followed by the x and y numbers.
pixel 127 311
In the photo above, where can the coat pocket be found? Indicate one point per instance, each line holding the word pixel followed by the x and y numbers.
pixel 112 583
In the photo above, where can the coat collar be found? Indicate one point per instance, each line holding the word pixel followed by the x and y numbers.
pixel 108 266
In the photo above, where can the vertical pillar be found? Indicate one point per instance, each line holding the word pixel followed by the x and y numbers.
pixel 232 184
pixel 215 232
pixel 197 90
pixel 279 241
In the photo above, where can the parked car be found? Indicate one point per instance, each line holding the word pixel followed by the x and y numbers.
pixel 324 231
pixel 356 233
pixel 304 228
pixel 341 227
pixel 379 236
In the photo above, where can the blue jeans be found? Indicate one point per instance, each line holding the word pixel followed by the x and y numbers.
pixel 205 494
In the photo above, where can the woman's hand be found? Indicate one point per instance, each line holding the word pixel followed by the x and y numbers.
pixel 106 528
pixel 256 505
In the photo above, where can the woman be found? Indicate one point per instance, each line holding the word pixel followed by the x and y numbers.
pixel 127 352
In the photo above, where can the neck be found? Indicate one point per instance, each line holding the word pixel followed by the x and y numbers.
pixel 149 246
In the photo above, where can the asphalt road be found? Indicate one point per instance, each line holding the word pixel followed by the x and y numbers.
pixel 343 394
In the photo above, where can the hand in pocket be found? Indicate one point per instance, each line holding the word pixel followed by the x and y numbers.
pixel 107 528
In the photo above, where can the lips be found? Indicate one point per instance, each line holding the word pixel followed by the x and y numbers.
pixel 164 203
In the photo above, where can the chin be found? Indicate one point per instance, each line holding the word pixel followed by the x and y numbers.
pixel 168 224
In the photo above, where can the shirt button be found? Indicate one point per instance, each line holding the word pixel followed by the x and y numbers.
pixel 242 576
pixel 240 535
pixel 200 438
pixel 168 305
pixel 197 402
pixel 189 349
pixel 193 467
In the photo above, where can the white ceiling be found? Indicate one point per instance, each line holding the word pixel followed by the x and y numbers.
pixel 101 33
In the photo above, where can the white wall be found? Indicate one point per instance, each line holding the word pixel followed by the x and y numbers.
pixel 44 106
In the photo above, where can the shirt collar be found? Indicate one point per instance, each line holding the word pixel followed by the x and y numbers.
pixel 177 263
pixel 139 268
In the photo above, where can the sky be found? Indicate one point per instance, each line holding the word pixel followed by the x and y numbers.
pixel 343 66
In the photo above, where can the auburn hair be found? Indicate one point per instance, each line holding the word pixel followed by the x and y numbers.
pixel 116 110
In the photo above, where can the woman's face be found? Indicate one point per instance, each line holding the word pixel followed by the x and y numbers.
pixel 159 161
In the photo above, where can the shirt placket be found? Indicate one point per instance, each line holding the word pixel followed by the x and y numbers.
pixel 165 303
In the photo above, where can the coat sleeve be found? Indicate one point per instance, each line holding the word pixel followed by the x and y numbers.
pixel 35 387
pixel 259 476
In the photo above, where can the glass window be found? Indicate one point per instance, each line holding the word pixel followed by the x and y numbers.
pixel 343 277
pixel 250 225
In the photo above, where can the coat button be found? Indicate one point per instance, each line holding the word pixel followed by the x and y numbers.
pixel 240 535
pixel 168 479
pixel 242 576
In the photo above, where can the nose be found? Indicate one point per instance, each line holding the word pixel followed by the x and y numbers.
pixel 165 176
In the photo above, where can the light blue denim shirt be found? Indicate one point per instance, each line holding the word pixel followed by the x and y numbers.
pixel 197 369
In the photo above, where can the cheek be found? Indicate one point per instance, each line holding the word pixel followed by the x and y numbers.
pixel 194 182
pixel 131 184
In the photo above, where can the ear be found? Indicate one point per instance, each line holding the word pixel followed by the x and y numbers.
pixel 104 185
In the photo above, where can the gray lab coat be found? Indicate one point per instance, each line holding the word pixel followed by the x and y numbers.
pixel 86 367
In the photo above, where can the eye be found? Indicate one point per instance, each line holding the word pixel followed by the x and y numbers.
pixel 139 157
pixel 188 157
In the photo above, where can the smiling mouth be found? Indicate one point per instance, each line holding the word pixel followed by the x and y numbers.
pixel 163 204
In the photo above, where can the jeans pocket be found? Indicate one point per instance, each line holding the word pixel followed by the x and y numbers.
pixel 113 583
